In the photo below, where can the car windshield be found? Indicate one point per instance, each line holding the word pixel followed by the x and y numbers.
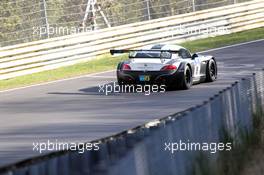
pixel 150 54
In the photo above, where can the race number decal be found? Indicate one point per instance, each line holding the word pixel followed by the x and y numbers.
pixel 197 67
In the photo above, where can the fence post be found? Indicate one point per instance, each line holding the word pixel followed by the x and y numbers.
pixel 146 10
pixel 43 11
pixel 193 6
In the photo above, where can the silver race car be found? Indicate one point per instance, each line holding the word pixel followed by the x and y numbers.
pixel 169 65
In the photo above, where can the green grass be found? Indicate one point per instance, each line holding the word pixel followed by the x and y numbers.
pixel 247 149
pixel 219 41
pixel 107 62
pixel 102 63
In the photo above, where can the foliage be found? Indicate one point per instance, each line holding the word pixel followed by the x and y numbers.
pixel 19 18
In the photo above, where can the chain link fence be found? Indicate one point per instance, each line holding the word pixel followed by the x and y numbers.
pixel 31 20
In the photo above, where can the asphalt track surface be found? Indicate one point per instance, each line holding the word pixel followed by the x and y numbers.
pixel 74 111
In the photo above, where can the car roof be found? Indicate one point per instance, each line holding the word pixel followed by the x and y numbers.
pixel 163 47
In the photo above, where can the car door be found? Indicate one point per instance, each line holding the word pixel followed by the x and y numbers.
pixel 185 54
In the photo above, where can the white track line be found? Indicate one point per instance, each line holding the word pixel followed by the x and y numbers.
pixel 95 74
pixel 99 76
pixel 234 45
pixel 57 81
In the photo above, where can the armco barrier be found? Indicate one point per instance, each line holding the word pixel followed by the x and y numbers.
pixel 52 53
pixel 142 150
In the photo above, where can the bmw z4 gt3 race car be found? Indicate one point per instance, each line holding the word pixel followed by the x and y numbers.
pixel 169 65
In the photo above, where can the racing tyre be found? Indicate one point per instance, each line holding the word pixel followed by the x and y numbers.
pixel 211 71
pixel 187 78
pixel 119 81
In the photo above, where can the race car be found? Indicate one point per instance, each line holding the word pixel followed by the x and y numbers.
pixel 165 64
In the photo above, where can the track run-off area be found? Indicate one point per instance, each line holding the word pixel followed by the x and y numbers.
pixel 74 111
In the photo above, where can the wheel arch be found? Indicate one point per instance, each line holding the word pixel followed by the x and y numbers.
pixel 119 65
pixel 189 65
pixel 183 65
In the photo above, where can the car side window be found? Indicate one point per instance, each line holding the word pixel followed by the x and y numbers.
pixel 184 53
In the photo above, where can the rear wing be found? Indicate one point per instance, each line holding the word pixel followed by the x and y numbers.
pixel 113 51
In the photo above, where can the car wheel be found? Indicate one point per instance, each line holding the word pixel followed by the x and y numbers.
pixel 187 78
pixel 211 71
pixel 119 80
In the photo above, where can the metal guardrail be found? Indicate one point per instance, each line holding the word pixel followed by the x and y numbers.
pixel 53 53
pixel 141 150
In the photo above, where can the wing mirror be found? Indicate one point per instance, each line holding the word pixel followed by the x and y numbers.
pixel 195 55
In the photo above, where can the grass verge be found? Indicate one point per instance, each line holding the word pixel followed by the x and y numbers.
pixel 246 156
pixel 107 62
